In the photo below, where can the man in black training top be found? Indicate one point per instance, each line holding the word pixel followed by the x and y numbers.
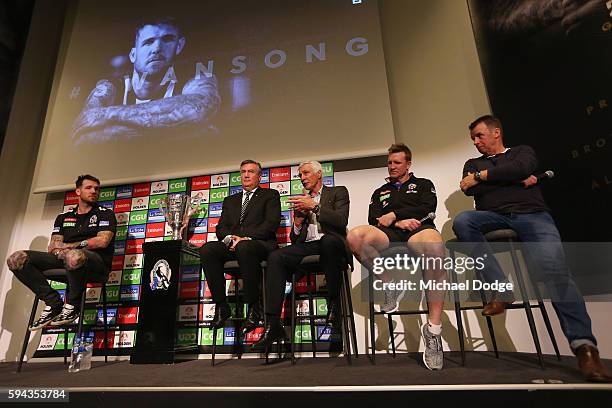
pixel 82 242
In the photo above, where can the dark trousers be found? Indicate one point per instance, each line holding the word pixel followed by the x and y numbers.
pixel 32 275
pixel 248 253
pixel 284 262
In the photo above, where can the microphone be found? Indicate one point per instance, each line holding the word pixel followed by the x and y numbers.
pixel 429 216
pixel 547 174
pixel 227 241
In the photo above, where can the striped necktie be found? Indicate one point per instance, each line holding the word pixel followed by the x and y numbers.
pixel 245 204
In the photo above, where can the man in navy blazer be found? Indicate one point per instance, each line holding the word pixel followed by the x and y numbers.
pixel 320 217
pixel 246 233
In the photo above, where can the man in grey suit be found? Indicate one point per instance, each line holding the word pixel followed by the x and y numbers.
pixel 320 217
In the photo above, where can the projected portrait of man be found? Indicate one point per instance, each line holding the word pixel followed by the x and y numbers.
pixel 152 100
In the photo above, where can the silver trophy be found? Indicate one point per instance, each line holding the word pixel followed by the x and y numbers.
pixel 177 209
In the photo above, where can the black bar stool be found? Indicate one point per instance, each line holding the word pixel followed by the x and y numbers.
pixel 232 268
pixel 391 251
pixel 508 236
pixel 307 266
pixel 59 275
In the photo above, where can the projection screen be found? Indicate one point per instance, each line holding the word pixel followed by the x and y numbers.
pixel 154 90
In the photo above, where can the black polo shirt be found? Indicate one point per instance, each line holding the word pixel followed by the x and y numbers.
pixel 76 227
pixel 415 198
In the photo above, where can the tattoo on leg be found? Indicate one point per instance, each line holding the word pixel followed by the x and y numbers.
pixel 75 258
pixel 16 261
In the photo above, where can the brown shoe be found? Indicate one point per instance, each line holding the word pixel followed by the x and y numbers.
pixel 498 305
pixel 590 365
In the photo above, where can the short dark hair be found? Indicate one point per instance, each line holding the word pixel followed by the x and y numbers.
pixel 157 21
pixel 400 147
pixel 489 120
pixel 249 161
pixel 81 178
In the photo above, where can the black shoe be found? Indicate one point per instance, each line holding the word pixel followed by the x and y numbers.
pixel 274 332
pixel 222 313
pixel 67 316
pixel 47 315
pixel 254 319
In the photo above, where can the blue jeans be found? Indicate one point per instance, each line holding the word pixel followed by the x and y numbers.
pixel 533 228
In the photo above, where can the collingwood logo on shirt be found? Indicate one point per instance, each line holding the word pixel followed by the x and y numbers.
pixel 93 220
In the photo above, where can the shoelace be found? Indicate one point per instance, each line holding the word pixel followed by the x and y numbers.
pixel 433 342
pixel 46 312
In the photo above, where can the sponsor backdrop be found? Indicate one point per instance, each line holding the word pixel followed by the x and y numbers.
pixel 140 220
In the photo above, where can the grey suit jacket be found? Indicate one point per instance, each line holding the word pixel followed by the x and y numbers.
pixel 333 216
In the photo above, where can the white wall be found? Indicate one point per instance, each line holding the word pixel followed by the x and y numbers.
pixel 436 88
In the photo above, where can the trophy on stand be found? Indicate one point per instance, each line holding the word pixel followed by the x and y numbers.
pixel 177 209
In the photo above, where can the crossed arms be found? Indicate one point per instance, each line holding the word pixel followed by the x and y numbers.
pixel 102 119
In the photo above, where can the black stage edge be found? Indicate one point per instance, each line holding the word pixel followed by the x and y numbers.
pixel 514 378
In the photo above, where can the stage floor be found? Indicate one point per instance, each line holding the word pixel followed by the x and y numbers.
pixel 482 368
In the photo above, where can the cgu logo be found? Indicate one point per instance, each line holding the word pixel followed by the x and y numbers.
pixel 139 217
pixel 188 336
pixel 218 194
pixel 303 334
pixel 327 168
pixel 112 292
pixel 106 194
pixel 133 276
pixel 177 185
pixel 207 335
pixel 235 179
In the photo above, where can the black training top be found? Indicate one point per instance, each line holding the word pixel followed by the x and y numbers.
pixel 415 198
pixel 78 227
pixel 503 191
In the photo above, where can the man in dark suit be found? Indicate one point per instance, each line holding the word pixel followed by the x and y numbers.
pixel 246 233
pixel 320 217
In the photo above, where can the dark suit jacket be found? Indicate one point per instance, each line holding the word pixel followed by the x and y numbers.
pixel 333 217
pixel 261 219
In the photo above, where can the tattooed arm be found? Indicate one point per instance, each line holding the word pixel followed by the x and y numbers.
pixel 101 240
pixel 57 242
pixel 197 104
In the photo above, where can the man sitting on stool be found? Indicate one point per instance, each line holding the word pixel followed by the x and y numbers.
pixel 503 186
pixel 399 214
pixel 82 242
pixel 247 233
pixel 320 217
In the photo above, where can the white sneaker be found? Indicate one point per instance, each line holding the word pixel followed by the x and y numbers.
pixel 433 357
pixel 392 300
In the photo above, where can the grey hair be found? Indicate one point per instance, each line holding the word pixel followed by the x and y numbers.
pixel 316 166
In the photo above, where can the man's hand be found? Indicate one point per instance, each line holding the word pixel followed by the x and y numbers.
pixel 235 240
pixel 576 11
pixel 298 218
pixel 89 119
pixel 302 203
pixel 387 219
pixel 410 224
pixel 530 181
pixel 468 182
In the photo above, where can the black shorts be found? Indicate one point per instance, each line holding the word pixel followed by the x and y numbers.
pixel 398 235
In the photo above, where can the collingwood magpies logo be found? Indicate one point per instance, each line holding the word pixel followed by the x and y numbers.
pixel 160 275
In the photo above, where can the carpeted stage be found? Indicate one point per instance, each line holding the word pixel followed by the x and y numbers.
pixel 513 378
